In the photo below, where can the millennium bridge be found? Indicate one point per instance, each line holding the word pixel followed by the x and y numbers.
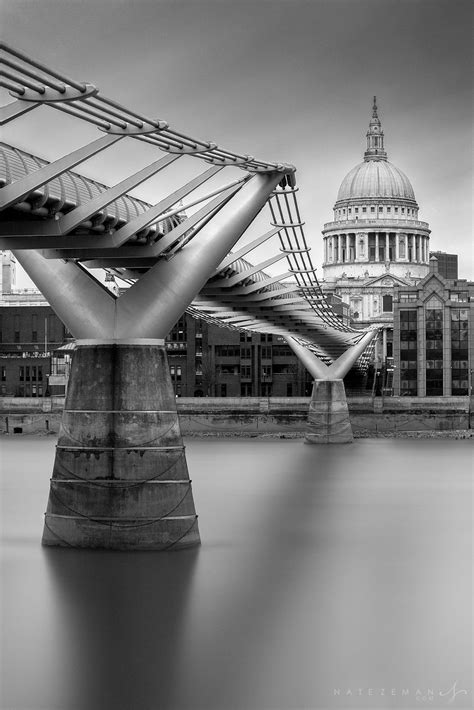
pixel 120 477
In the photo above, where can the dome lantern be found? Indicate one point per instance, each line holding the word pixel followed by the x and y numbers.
pixel 375 148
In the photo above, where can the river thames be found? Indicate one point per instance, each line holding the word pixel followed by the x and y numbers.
pixel 328 577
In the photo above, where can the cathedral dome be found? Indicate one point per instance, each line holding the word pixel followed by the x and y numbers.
pixel 376 227
pixel 374 179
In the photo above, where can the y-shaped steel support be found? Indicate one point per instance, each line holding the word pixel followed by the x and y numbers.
pixel 328 417
pixel 120 478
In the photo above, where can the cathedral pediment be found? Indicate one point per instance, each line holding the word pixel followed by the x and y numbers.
pixel 386 281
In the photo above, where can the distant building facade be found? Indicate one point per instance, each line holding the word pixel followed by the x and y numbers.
pixel 447 264
pixel 433 336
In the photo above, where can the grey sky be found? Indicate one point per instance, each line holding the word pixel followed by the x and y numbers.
pixel 288 81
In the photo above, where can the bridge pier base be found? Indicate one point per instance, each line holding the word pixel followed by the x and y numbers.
pixel 328 417
pixel 120 479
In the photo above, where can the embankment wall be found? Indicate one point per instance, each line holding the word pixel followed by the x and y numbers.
pixel 251 415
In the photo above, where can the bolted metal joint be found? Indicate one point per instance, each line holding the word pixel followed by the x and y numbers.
pixel 54 96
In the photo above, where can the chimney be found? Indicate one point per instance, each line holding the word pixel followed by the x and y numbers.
pixel 433 265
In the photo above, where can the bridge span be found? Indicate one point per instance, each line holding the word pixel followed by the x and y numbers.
pixel 120 477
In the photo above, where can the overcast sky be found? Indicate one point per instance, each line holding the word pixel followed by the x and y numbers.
pixel 284 80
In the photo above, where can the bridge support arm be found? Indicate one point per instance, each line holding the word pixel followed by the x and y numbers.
pixel 84 305
pixel 152 306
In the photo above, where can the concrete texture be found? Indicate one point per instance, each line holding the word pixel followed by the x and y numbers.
pixel 328 416
pixel 120 478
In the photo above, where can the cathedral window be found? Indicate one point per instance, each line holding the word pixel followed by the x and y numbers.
pixel 372 209
pixel 356 210
pixel 403 210
pixel 364 209
pixel 396 209
pixel 389 209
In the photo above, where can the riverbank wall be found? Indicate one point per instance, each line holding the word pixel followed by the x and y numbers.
pixel 252 416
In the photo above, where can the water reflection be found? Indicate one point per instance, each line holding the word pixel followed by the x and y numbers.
pixel 321 569
pixel 120 618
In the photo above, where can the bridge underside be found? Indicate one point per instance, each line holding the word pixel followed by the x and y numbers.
pixel 120 478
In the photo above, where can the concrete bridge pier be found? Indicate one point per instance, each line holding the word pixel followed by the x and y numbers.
pixel 120 478
pixel 328 416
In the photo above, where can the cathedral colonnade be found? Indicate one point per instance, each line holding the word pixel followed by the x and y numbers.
pixel 346 247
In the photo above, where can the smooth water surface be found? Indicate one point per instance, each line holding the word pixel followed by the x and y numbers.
pixel 327 577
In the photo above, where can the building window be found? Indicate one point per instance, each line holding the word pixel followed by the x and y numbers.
pixel 176 373
pixel 223 390
pixel 228 350
pixel 387 304
pixel 356 210
pixel 282 351
pixel 266 352
pixel 364 209
pixel 245 389
pixel 245 372
pixel 434 351
pixel 289 389
pixel 408 352
pixel 245 337
pixel 245 353
pixel 459 351
pixel 389 209
pixel 266 338
pixel 372 209
pixel 178 332
pixel 266 372
pixel 4 374
pixel 22 374
pixel 396 209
